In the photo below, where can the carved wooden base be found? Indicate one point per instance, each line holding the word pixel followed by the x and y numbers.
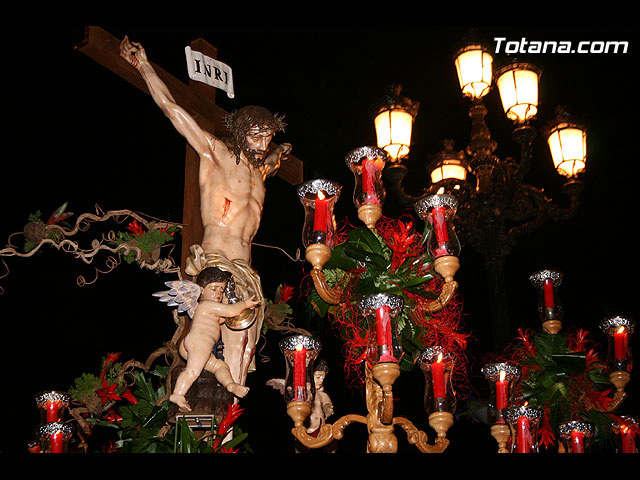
pixel 369 214
pixel 500 431
pixel 299 412
pixel 441 422
pixel 317 254
pixel 552 326
pixel 385 374
pixel 447 266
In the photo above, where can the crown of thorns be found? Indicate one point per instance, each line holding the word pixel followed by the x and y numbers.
pixel 240 121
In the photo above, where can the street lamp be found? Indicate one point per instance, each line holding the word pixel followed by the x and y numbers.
pixel 394 123
pixel 518 86
pixel 495 205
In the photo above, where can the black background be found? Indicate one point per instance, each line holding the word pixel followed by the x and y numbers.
pixel 76 132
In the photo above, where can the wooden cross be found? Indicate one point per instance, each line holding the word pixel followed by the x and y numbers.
pixel 198 99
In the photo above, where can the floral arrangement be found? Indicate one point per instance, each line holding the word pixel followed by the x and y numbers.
pixel 394 260
pixel 146 238
pixel 562 375
pixel 123 410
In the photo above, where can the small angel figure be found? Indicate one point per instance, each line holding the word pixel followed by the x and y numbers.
pixel 322 407
pixel 203 301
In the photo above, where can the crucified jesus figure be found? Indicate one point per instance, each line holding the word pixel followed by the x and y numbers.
pixel 232 174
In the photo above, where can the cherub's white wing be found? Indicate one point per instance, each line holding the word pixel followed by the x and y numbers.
pixel 183 293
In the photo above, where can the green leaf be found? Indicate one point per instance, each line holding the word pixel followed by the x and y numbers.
pixel 365 239
pixel 551 375
pixel 236 440
pixel 363 256
pixel 187 438
pixel 572 363
pixel 156 419
pixel 548 344
pixel 340 260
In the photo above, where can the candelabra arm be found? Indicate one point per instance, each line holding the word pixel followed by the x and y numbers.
pixel 327 433
pixel 619 380
pixel 448 291
pixel 419 438
pixel 328 294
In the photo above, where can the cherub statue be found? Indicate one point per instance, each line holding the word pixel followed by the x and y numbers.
pixel 203 301
pixel 322 407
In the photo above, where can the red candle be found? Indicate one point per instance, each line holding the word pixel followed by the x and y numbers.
pixel 440 225
pixel 548 293
pixel 437 375
pixel 321 215
pixel 299 371
pixel 369 171
pixel 56 440
pixel 628 439
pixel 577 442
pixel 524 441
pixel 502 386
pixel 383 334
pixel 620 344
pixel 52 409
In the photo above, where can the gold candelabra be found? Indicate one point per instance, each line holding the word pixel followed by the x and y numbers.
pixel 381 367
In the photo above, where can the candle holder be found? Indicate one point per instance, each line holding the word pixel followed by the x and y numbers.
pixel 502 382
pixel 367 164
pixel 439 396
pixel 619 359
pixel 550 308
pixel 52 405
pixel 442 241
pixel 318 198
pixel 54 437
pixel 381 311
pixel 384 348
pixel 575 436
pixel 523 424
pixel 627 428
pixel 300 353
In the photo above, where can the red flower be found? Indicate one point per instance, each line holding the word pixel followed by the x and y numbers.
pixel 127 395
pixel 136 228
pixel 233 412
pixel 165 229
pixel 546 432
pixel 111 357
pixel 401 242
pixel 107 392
pixel 111 447
pixel 224 449
pixel 526 342
pixel 285 293
pixel 600 398
pixel 112 417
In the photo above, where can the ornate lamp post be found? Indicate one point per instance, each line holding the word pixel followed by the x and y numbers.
pixel 496 206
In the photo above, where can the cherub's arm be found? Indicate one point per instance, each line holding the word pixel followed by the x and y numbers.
pixel 228 310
